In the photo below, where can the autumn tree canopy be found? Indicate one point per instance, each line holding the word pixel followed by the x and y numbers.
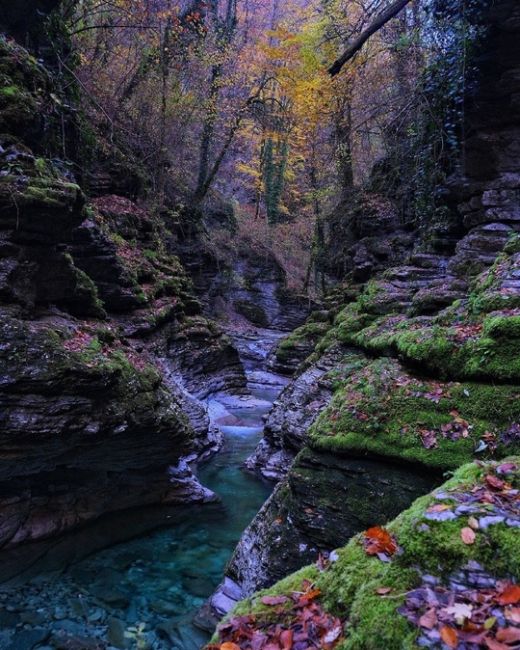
pixel 233 100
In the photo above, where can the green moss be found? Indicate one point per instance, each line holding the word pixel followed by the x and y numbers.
pixel 10 91
pixel 502 327
pixel 305 337
pixel 513 245
pixel 349 586
pixel 150 254
pixel 381 410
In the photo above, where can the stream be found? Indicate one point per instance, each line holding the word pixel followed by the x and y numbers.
pixel 144 593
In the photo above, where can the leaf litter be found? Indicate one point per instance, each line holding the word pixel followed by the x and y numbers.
pixel 300 623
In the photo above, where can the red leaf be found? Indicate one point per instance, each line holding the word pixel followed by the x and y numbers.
pixel 286 637
pixel 450 636
pixel 379 540
pixel 508 634
pixel 494 482
pixel 510 595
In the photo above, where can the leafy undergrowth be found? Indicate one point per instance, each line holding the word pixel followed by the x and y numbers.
pixel 289 243
pixel 426 580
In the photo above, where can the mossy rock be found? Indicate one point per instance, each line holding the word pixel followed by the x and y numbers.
pixel 371 596
pixel 475 339
pixel 383 411
pixel 253 312
pixel 302 341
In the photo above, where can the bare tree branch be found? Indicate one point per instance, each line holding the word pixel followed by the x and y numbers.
pixel 380 20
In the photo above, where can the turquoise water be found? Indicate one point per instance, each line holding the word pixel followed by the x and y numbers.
pixel 146 592
pixel 164 577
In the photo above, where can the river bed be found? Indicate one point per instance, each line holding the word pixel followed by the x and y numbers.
pixel 144 593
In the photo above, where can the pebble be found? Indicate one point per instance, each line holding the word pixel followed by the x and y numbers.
pixel 28 639
pixel 116 633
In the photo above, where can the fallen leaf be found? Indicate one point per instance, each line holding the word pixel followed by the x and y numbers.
pixel 428 619
pixel 286 639
pixel 494 482
pixel 439 507
pixel 273 600
pixel 468 535
pixel 382 591
pixel 513 614
pixel 506 468
pixel 495 645
pixel 333 635
pixel 473 523
pixel 460 612
pixel 307 597
pixel 229 646
pixel 508 634
pixel 379 540
pixel 450 636
pixel 510 595
pixel 490 622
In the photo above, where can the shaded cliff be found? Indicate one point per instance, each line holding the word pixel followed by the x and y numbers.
pixel 105 351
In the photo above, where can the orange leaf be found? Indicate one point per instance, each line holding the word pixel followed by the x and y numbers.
pixel 379 540
pixel 510 595
pixel 468 535
pixel 310 595
pixel 449 636
pixel 229 646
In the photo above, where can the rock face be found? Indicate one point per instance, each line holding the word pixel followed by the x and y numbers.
pixel 104 351
pixel 354 416
pixel 291 416
pixel 325 500
pixel 254 287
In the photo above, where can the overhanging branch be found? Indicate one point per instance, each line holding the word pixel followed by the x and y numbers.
pixel 380 20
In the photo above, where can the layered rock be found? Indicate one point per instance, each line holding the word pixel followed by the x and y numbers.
pixel 432 578
pixel 425 370
pixel 105 353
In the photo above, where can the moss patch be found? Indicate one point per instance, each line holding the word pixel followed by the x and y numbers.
pixel 368 594
pixel 382 410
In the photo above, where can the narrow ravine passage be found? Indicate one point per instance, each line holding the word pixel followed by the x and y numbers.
pixel 163 577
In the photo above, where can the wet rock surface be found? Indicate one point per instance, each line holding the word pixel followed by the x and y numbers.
pixel 146 592
pixel 291 416
pixel 324 501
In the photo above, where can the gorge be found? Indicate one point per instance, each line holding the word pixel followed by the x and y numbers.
pixel 225 425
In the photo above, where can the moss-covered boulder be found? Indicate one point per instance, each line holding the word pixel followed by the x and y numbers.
pixel 444 573
pixel 299 344
pixel 476 338
pixel 382 410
